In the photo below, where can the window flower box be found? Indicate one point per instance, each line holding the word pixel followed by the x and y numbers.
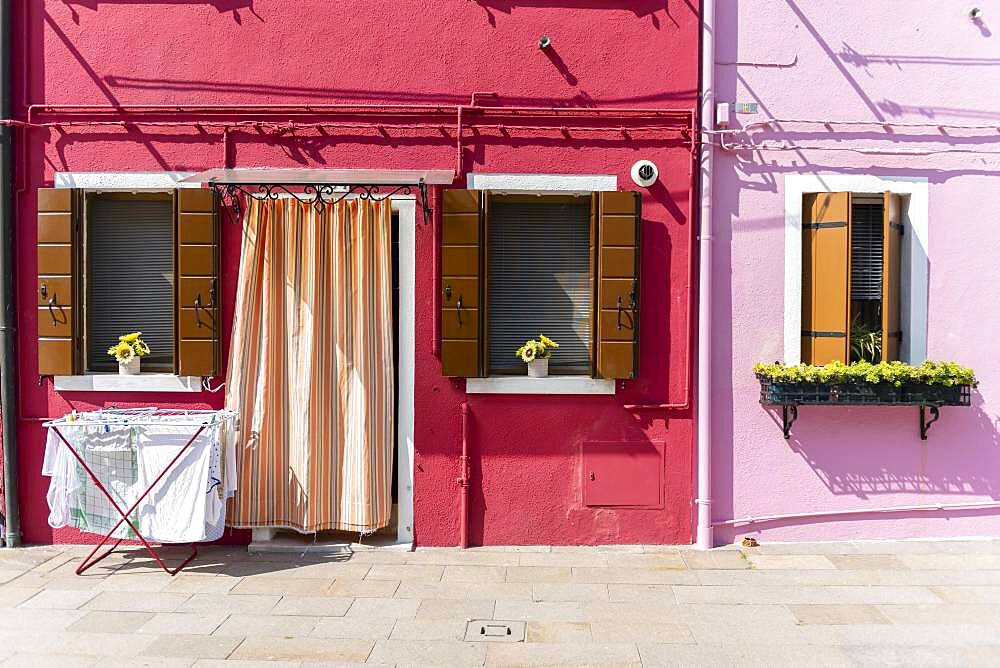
pixel 928 386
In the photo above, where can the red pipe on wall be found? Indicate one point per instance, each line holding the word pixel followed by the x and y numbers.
pixel 689 306
pixel 463 481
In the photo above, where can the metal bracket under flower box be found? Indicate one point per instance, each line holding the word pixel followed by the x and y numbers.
pixel 928 398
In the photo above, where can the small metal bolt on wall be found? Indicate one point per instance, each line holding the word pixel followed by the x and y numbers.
pixel 544 42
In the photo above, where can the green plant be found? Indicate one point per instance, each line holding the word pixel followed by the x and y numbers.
pixel 866 341
pixel 947 374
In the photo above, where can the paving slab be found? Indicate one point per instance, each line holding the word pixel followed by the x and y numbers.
pixel 359 628
pixel 191 646
pixel 431 652
pixel 338 650
pixel 100 621
pixel 184 623
pixel 315 606
pixel 563 654
pixel 835 613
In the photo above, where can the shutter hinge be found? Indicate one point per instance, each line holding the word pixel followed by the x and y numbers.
pixel 817 226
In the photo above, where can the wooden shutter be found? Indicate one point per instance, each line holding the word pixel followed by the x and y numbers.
pixel 618 284
pixel 826 270
pixel 197 265
pixel 57 289
pixel 461 283
pixel 892 230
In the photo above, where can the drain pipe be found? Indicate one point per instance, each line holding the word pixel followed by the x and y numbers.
pixel 705 538
pixel 463 481
pixel 8 361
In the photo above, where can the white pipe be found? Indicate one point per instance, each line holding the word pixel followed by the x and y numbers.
pixel 858 511
pixel 705 538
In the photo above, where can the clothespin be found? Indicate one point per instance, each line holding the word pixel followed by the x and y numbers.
pixel 72 416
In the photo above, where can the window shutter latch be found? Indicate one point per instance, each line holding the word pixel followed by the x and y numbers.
pixel 197 310
pixel 458 310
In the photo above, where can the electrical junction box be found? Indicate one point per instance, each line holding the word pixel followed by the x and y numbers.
pixel 623 473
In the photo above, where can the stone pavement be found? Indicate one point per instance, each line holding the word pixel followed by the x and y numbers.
pixel 864 603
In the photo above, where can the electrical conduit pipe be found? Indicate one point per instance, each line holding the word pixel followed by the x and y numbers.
pixel 463 481
pixel 703 418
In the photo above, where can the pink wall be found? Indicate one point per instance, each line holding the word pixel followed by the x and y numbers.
pixel 526 462
pixel 917 62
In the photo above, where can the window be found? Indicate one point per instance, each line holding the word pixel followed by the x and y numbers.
pixel 110 263
pixel 851 249
pixel 539 280
pixel 516 266
pixel 128 270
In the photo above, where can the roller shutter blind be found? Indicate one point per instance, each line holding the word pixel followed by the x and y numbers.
pixel 539 281
pixel 130 276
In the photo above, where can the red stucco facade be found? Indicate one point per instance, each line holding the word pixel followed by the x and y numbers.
pixel 526 451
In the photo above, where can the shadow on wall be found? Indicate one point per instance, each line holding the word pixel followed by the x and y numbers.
pixel 960 458
pixel 638 7
pixel 221 5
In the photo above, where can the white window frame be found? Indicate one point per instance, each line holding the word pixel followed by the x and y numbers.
pixel 914 264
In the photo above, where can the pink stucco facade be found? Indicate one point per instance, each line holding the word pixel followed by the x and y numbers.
pixel 918 62
pixel 526 472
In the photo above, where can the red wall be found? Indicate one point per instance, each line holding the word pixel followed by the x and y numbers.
pixel 525 450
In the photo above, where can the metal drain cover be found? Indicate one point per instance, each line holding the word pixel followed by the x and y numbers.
pixel 494 630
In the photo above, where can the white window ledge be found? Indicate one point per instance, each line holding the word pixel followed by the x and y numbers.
pixel 113 382
pixel 550 385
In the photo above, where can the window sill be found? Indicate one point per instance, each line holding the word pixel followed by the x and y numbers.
pixel 113 382
pixel 550 385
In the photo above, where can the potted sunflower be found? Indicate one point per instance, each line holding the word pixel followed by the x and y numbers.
pixel 537 353
pixel 128 351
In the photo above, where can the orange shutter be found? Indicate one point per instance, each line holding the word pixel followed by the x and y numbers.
pixel 617 272
pixel 826 271
pixel 57 290
pixel 892 230
pixel 197 321
pixel 461 283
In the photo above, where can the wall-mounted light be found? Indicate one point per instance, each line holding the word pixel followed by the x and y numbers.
pixel 544 42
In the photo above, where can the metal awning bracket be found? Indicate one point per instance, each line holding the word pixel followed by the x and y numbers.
pixel 318 187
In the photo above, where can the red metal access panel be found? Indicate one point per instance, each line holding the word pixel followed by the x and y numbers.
pixel 624 473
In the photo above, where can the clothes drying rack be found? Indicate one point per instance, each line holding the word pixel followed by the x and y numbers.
pixel 200 420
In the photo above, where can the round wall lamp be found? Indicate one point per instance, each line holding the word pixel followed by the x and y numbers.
pixel 645 173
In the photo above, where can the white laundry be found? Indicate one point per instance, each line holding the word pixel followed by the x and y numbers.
pixel 127 451
pixel 175 510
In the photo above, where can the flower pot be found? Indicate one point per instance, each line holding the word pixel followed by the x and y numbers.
pixel 538 368
pixel 130 368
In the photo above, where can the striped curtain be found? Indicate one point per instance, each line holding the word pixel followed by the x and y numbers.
pixel 311 366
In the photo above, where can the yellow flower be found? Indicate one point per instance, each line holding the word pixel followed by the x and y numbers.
pixel 130 338
pixel 530 351
pixel 547 342
pixel 122 351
